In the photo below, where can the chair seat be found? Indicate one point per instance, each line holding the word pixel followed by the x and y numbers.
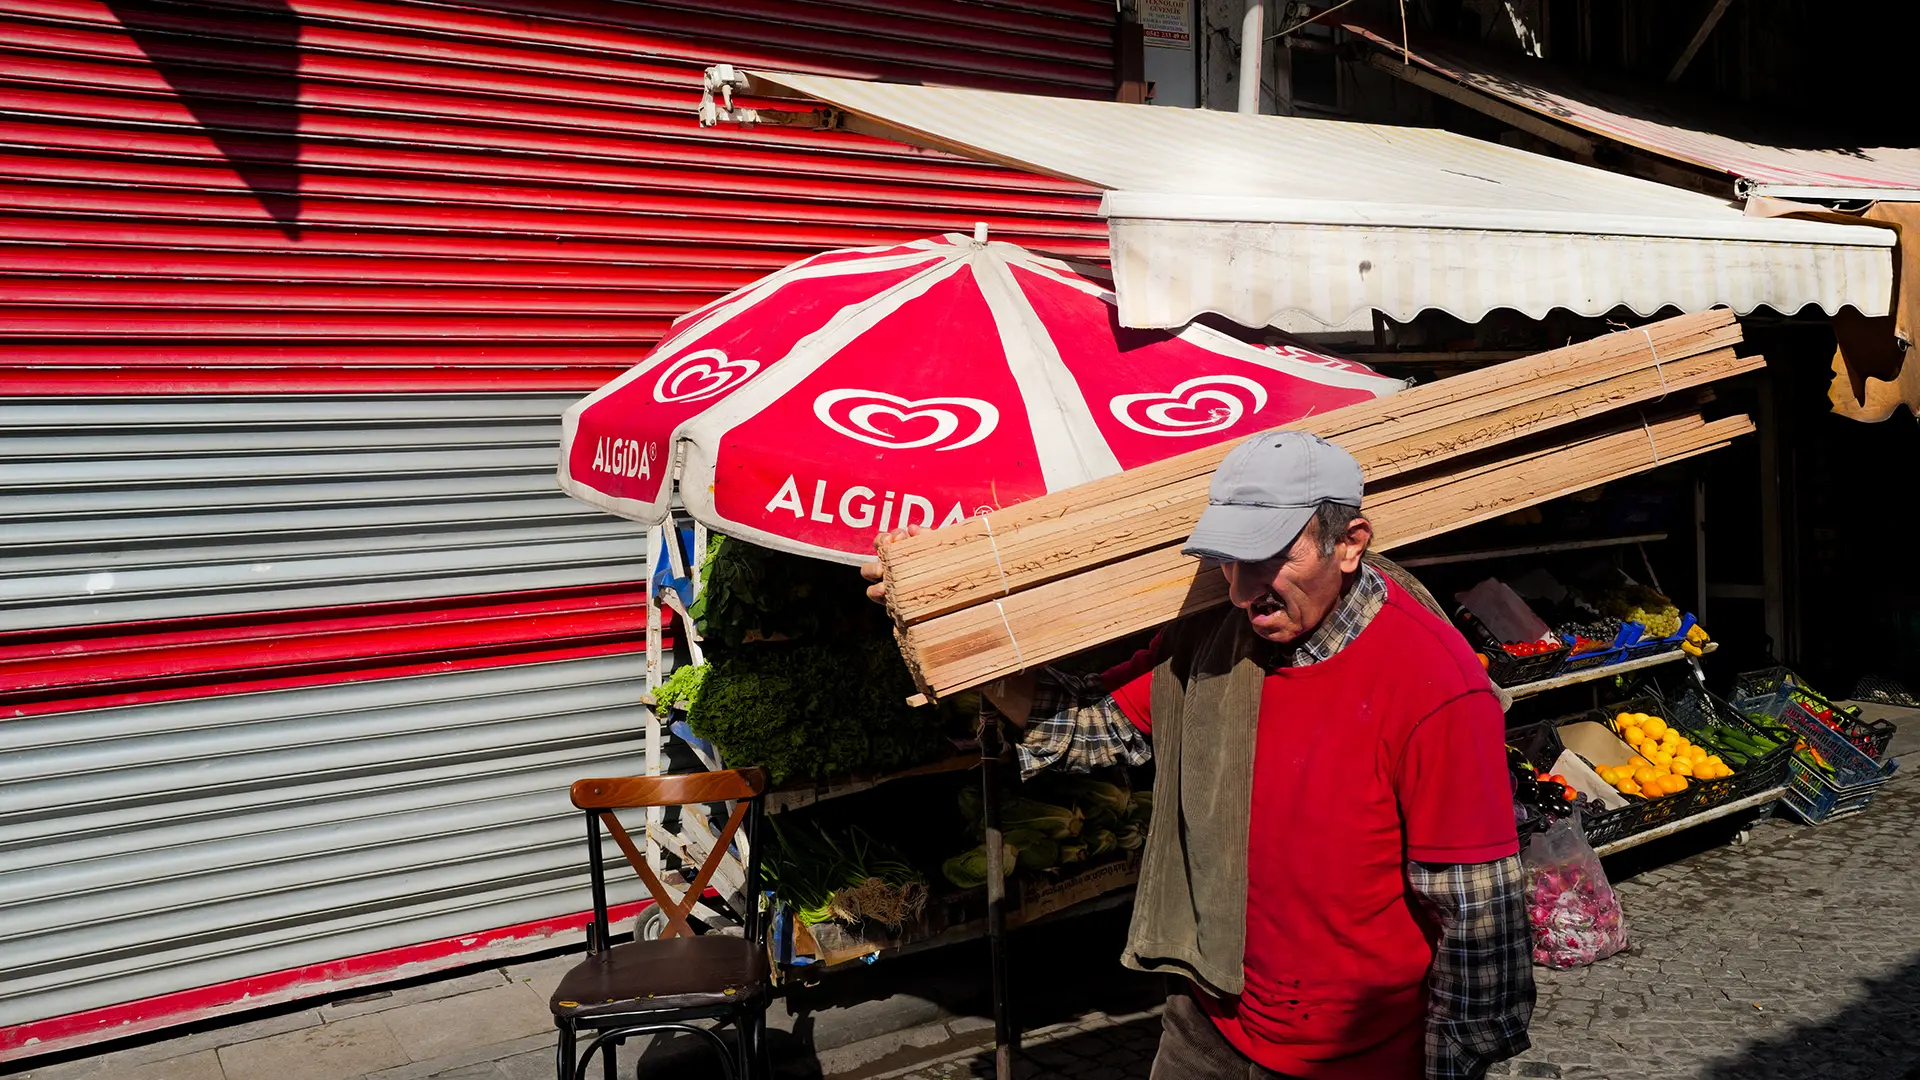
pixel 657 976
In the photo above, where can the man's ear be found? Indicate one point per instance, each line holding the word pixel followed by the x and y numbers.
pixel 1353 545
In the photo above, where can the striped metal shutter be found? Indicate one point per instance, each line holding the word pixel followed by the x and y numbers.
pixel 380 194
pixel 299 646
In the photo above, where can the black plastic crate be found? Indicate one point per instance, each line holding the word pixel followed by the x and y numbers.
pixel 1503 667
pixel 1696 711
pixel 1772 689
pixel 1640 813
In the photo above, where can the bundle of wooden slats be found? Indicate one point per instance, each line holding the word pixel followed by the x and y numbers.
pixel 1076 568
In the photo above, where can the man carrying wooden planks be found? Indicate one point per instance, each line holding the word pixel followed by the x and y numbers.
pixel 1332 864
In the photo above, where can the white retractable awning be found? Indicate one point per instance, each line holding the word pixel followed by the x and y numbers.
pixel 1262 217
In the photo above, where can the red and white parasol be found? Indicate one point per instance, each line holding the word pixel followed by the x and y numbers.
pixel 863 390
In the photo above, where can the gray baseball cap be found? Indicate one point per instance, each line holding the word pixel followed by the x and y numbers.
pixel 1265 491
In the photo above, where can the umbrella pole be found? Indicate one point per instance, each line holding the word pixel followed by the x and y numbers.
pixel 1005 1038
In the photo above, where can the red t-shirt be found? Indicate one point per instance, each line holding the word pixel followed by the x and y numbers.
pixel 1391 749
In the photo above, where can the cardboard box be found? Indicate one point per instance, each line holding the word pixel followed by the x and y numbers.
pixel 1041 896
pixel 1586 781
pixel 1596 742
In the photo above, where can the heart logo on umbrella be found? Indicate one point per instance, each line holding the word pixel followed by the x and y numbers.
pixel 698 376
pixel 883 419
pixel 1196 407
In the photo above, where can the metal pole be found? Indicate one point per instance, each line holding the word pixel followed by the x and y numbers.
pixel 1253 49
pixel 1005 1038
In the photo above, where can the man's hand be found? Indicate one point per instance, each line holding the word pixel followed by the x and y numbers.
pixel 870 570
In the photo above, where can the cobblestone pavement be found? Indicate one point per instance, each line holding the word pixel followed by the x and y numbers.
pixel 1793 957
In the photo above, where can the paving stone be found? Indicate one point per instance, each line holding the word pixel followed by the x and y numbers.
pixel 868 1052
pixel 118 1062
pixel 468 1056
pixel 385 1000
pixel 532 1065
pixel 350 1048
pixel 434 1029
pixel 967 1025
pixel 203 1065
pixel 485 1070
pixel 542 977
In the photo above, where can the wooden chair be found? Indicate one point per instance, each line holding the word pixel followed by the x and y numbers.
pixel 620 991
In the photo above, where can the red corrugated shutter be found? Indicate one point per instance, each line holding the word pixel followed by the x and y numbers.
pixel 371 194
pixel 358 213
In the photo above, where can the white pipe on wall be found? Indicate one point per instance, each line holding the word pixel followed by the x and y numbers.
pixel 1253 50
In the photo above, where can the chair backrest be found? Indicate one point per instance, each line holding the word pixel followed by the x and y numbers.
pixel 599 798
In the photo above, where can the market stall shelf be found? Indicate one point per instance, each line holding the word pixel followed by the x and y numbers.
pixel 807 793
pixel 1035 901
pixel 1575 678
pixel 1714 813
pixel 1485 554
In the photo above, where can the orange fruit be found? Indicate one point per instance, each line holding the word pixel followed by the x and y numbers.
pixel 1628 787
pixel 1645 776
pixel 1639 762
pixel 1662 760
pixel 1682 767
pixel 1675 784
pixel 1632 734
pixel 1654 726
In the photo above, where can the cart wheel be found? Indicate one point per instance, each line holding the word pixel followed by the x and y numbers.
pixel 650 925
pixel 1740 838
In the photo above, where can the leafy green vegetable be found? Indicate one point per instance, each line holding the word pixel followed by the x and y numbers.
pixel 1037 852
pixel 806 679
pixel 853 876
pixel 814 710
pixel 1053 822
pixel 682 686
pixel 750 593
pixel 969 868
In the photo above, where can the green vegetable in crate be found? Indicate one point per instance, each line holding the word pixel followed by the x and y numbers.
pixel 681 687
pixel 969 868
pixel 850 876
pixel 1035 851
pixel 750 593
pixel 1131 837
pixel 814 710
pixel 1104 842
pixel 1141 808
pixel 1053 822
pixel 1097 799
pixel 1073 851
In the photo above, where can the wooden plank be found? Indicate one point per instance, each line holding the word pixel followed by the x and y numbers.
pixel 975 645
pixel 1669 340
pixel 1002 553
pixel 923 562
pixel 1751 802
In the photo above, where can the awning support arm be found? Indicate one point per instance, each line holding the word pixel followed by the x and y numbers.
pixel 722 79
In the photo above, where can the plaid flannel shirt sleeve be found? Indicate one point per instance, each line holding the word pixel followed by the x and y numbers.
pixel 1075 726
pixel 1480 988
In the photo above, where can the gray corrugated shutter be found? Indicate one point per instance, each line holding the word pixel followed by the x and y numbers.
pixel 124 509
pixel 154 848
pixel 190 826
